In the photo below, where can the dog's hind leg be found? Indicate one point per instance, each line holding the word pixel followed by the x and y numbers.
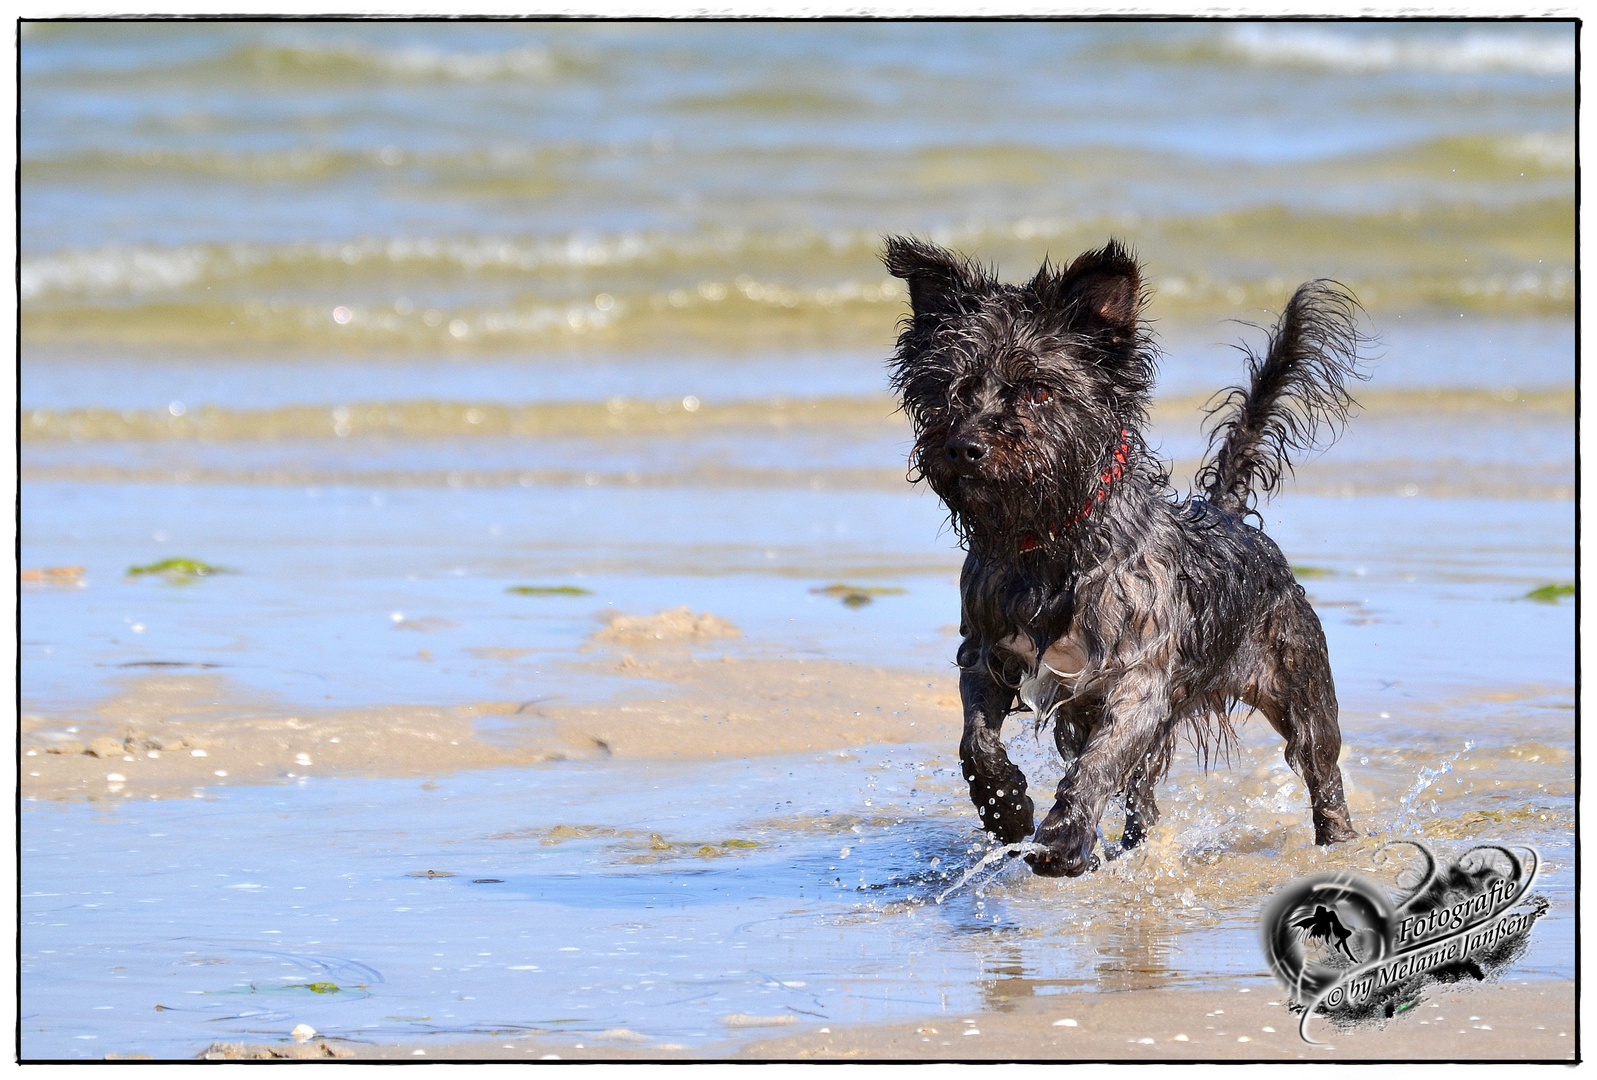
pixel 997 786
pixel 1296 694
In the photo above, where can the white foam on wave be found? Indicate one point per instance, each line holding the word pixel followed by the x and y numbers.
pixel 141 270
pixel 1470 52
pixel 470 67
pixel 418 61
pixel 114 270
pixel 1548 149
pixel 153 269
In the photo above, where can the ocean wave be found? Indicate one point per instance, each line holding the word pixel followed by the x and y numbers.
pixel 1470 52
pixel 686 416
pixel 345 62
pixel 419 61
pixel 1435 479
pixel 572 166
pixel 742 313
pixel 321 163
pixel 300 163
pixel 1472 159
pixel 616 416
pixel 773 101
pixel 806 265
pixel 737 317
pixel 114 269
pixel 742 289
pixel 1549 149
pixel 118 270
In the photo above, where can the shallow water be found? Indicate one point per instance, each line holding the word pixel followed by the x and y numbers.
pixel 384 321
pixel 334 567
pixel 614 903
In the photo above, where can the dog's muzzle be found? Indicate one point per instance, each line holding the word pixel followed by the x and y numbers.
pixel 964 454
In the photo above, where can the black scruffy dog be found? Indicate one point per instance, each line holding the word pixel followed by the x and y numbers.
pixel 1090 592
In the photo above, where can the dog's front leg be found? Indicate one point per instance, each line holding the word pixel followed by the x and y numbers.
pixel 997 786
pixel 1142 811
pixel 1132 721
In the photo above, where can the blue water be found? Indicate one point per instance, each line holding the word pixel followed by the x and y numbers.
pixel 224 911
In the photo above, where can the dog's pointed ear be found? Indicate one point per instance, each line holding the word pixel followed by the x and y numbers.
pixel 938 279
pixel 1103 290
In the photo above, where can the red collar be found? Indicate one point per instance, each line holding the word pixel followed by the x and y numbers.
pixel 1107 477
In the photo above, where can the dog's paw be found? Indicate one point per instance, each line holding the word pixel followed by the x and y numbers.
pixel 1068 851
pixel 1055 863
pixel 1332 828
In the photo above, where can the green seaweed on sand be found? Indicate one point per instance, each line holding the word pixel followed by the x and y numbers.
pixel 704 849
pixel 1301 572
pixel 857 595
pixel 358 989
pixel 549 590
pixel 177 570
pixel 727 847
pixel 1550 594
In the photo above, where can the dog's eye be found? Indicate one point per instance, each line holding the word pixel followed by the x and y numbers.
pixel 1035 393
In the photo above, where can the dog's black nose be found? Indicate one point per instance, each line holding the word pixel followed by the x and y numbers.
pixel 965 452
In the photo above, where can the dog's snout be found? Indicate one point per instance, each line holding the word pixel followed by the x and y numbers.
pixel 965 452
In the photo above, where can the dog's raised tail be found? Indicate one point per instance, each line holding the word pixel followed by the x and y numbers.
pixel 1296 400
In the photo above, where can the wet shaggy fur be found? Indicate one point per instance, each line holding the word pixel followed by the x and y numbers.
pixel 1091 594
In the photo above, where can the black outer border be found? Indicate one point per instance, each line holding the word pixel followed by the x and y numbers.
pixel 16 801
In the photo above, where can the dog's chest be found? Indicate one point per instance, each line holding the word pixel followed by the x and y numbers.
pixel 1065 658
pixel 1052 677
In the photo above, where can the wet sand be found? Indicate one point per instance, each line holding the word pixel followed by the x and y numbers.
pixel 1409 442
pixel 1522 1021
pixel 166 735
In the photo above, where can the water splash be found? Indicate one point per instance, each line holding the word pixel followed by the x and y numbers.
pixel 1025 847
pixel 1407 817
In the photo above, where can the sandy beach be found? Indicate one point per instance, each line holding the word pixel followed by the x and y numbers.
pixel 1516 1022
pixel 171 733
